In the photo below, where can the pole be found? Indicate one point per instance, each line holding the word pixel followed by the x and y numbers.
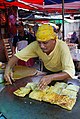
pixel 63 19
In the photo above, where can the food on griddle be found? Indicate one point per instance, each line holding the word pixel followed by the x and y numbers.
pixel 55 89
pixel 50 97
pixel 23 71
pixel 69 93
pixel 21 92
pixel 73 87
pixel 60 85
pixel 62 94
pixel 65 102
pixel 37 95
pixel 31 85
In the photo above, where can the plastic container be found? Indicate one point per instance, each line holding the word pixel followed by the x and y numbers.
pixel 1 76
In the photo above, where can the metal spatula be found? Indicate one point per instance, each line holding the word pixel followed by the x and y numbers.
pixel 13 83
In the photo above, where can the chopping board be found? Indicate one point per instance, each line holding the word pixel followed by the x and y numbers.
pixel 23 71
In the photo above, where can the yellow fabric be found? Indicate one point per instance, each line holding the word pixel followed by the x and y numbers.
pixel 45 32
pixel 58 60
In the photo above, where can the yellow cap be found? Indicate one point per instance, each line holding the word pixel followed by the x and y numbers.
pixel 45 32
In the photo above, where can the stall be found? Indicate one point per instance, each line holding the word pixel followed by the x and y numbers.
pixel 13 107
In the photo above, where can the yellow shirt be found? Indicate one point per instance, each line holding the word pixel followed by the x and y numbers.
pixel 58 60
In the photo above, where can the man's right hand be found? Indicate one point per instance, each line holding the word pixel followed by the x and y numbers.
pixel 8 76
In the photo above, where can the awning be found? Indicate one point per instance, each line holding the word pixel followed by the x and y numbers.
pixel 70 6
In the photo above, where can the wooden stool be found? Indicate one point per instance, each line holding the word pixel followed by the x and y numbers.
pixel 8 49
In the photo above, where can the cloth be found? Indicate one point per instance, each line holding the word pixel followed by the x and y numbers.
pixel 27 37
pixel 58 60
pixel 21 42
pixel 45 32
pixel 29 63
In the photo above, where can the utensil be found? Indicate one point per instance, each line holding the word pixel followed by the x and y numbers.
pixel 14 83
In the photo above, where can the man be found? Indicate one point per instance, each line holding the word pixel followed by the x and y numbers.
pixel 54 53
pixel 74 38
pixel 21 40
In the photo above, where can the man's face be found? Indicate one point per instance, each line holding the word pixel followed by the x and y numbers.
pixel 47 46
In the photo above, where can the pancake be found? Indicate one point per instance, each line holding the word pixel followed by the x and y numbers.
pixel 23 71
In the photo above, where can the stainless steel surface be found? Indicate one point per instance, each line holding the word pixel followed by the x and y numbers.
pixel 74 82
pixel 38 79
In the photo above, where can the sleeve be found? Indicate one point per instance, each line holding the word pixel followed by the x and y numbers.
pixel 67 62
pixel 27 53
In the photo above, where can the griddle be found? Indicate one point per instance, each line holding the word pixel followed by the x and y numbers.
pixel 14 107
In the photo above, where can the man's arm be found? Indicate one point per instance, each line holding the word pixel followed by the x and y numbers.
pixel 52 77
pixel 8 70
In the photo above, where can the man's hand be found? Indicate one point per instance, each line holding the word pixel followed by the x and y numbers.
pixel 52 77
pixel 8 76
pixel 8 72
pixel 45 81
